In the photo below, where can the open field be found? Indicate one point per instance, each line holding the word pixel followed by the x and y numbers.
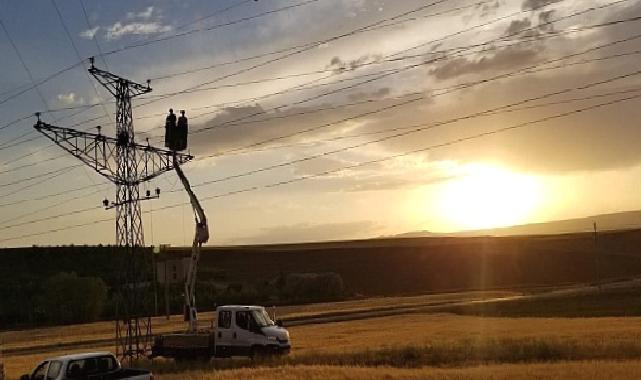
pixel 539 327
pixel 100 331
pixel 563 370
pixel 433 340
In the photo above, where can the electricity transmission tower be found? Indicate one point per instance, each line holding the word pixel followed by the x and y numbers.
pixel 127 164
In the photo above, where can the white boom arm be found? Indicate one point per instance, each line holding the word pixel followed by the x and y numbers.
pixel 201 236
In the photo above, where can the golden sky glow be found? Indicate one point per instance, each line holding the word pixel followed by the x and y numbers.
pixel 488 196
pixel 374 131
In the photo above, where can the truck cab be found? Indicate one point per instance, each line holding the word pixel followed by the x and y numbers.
pixel 238 331
pixel 100 365
pixel 248 331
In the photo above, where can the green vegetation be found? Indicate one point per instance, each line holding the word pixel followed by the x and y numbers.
pixel 68 298
pixel 605 303
pixel 62 285
pixel 467 352
pixel 289 274
pixel 33 280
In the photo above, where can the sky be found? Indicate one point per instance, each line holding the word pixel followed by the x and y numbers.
pixel 327 119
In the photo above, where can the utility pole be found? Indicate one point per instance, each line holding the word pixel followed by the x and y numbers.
pixel 167 311
pixel 154 252
pixel 127 164
pixel 597 257
pixel 2 373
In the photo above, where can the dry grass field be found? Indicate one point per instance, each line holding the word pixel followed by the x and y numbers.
pixel 105 330
pixel 563 370
pixel 430 346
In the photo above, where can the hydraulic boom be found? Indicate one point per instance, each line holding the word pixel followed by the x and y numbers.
pixel 201 236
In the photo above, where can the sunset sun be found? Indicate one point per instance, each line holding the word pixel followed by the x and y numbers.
pixel 487 196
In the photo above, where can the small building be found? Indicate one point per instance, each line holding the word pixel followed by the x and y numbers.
pixel 172 270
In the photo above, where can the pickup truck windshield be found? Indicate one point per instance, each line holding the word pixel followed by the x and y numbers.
pixel 262 318
pixel 82 368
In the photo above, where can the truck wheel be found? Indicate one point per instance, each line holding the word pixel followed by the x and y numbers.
pixel 257 353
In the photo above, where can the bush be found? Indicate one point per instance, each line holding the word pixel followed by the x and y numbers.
pixel 68 298
pixel 311 286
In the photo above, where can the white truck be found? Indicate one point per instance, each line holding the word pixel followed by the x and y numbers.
pixel 239 331
pixel 92 366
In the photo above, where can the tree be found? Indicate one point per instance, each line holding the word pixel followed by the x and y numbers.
pixel 68 298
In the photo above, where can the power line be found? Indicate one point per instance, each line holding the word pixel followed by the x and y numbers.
pixel 485 44
pixel 45 179
pixel 356 31
pixel 422 150
pixel 54 230
pixel 507 108
pixel 215 13
pixel 421 97
pixel 46 208
pixel 48 196
pixel 370 162
pixel 98 49
pixel 35 85
pixel 144 43
pixel 210 28
pixel 303 48
pixel 31 178
pixel 588 27
pixel 395 22
pixel 457 49
pixel 31 164
pixel 408 67
pixel 404 131
pixel 23 63
pixel 391 130
pixel 75 49
pixel 526 70
pixel 419 128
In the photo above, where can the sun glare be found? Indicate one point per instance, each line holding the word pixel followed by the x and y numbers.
pixel 487 196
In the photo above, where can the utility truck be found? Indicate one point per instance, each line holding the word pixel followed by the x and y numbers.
pixel 98 366
pixel 239 330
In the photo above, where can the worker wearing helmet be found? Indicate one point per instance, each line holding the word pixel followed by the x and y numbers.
pixel 170 128
pixel 181 132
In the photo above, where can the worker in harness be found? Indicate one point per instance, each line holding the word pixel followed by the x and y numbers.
pixel 170 128
pixel 181 132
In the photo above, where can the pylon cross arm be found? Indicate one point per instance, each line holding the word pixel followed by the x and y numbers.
pixel 99 153
pixel 115 84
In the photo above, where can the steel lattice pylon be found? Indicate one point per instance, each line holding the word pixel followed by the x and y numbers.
pixel 126 164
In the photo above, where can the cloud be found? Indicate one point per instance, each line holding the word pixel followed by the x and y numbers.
pixel 340 65
pixel 389 182
pixel 119 30
pixel 517 26
pixel 222 134
pixel 505 58
pixel 145 15
pixel 489 8
pixel 70 99
pixel 318 165
pixel 536 4
pixel 377 94
pixel 306 232
pixel 89 33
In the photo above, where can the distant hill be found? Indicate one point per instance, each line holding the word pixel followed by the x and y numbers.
pixel 605 222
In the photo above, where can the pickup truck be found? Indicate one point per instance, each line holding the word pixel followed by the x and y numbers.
pixel 93 366
pixel 240 331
